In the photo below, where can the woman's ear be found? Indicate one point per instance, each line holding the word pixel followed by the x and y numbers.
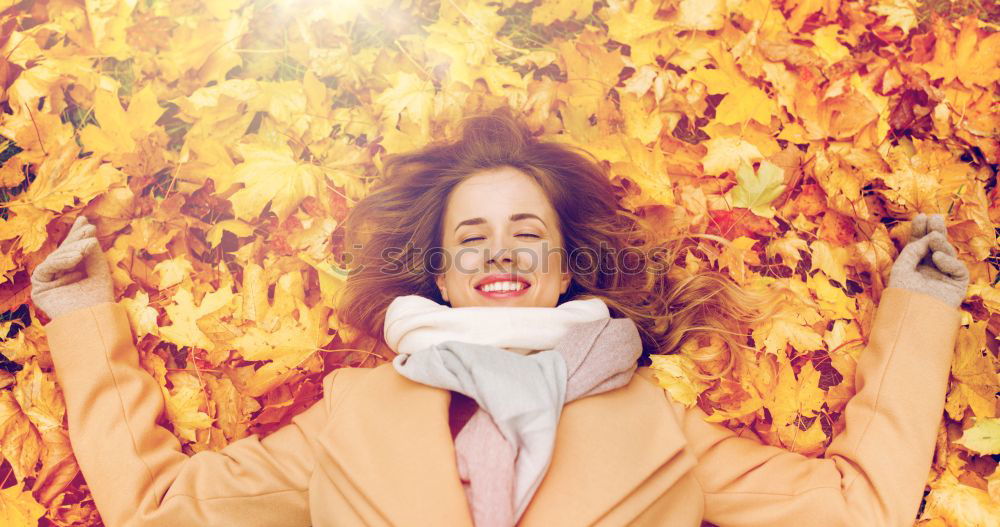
pixel 439 280
pixel 566 279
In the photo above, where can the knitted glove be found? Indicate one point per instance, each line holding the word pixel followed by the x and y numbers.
pixel 60 284
pixel 929 264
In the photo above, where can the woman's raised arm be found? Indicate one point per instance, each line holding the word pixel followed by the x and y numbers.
pixel 136 470
pixel 874 472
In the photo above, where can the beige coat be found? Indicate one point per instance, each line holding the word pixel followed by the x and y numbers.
pixel 377 449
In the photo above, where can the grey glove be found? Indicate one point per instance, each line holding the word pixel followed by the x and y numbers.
pixel 60 284
pixel 929 264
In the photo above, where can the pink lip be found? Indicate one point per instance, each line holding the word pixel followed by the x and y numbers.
pixel 502 294
pixel 502 278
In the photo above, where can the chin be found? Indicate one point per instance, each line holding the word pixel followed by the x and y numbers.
pixel 514 301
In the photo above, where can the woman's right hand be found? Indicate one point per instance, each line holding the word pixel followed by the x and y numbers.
pixel 60 284
pixel 929 264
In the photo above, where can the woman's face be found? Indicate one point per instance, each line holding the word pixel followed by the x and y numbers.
pixel 499 222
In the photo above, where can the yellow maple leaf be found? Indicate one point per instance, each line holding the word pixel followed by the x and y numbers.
pixel 284 101
pixel 119 130
pixel 408 97
pixel 19 508
pixel 795 395
pixel 801 10
pixel 831 259
pixel 828 45
pixel 792 326
pixel 647 168
pixel 62 179
pixel 253 294
pixel 990 295
pixel 756 190
pixel 789 246
pixel 20 443
pixel 727 153
pixel 7 264
pixel 184 316
pixel 958 503
pixel 293 346
pixel 975 374
pixel 703 15
pixel 331 278
pixel 142 316
pixel 736 255
pixel 232 407
pixel 639 121
pixel 258 345
pixel 993 485
pixel 587 65
pixel 808 442
pixel 973 57
pixel 220 114
pixel 41 402
pixel 638 27
pixel 12 173
pixel 983 437
pixel 752 132
pixel 271 174
pixel 676 373
pixel 152 233
pixel 747 406
pixel 39 398
pixel 183 403
pixel 913 181
pixel 27 223
pixel 718 80
pixel 59 467
pixel 744 103
pixel 551 11
pixel 898 13
pixel 833 301
pixel 240 228
pixel 108 22
pixel 844 344
pixel 173 271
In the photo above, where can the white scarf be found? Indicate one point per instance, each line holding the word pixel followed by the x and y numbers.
pixel 468 350
pixel 414 323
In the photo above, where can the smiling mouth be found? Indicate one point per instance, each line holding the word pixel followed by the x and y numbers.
pixel 503 289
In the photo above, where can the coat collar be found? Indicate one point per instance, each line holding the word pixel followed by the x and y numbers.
pixel 392 441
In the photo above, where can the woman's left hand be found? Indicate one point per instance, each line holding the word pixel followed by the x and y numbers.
pixel 929 264
pixel 74 276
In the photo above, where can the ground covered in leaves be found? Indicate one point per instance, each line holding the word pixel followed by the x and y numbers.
pixel 218 144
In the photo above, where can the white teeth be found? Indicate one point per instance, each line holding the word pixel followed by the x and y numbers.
pixel 503 286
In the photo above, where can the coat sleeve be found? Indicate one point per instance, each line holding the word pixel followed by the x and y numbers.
pixel 135 468
pixel 873 472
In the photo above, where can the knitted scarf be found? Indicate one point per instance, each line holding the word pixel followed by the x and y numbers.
pixel 510 361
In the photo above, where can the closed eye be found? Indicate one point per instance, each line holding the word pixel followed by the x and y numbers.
pixel 480 237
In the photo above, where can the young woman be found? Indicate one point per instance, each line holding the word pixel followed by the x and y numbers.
pixel 521 303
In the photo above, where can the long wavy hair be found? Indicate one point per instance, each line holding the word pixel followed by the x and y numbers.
pixel 392 235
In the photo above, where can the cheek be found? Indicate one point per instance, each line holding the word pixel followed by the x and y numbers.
pixel 463 264
pixel 550 267
pixel 554 261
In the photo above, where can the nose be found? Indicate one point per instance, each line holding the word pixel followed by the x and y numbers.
pixel 500 251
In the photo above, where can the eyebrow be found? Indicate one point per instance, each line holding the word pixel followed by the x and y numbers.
pixel 513 217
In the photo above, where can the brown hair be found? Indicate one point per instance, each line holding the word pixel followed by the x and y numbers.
pixel 400 221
